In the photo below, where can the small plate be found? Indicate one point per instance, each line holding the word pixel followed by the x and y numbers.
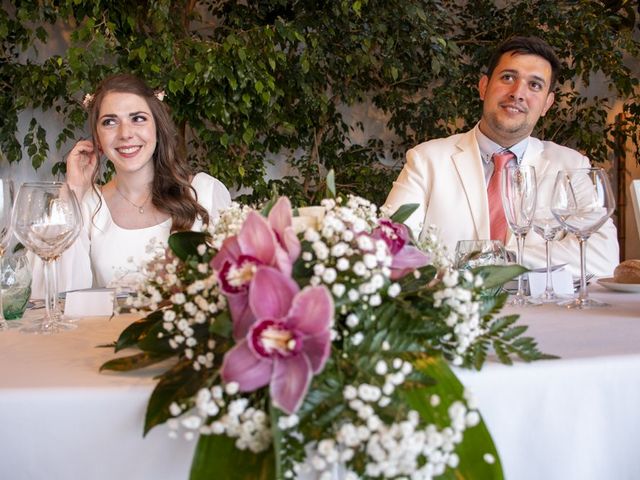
pixel 619 287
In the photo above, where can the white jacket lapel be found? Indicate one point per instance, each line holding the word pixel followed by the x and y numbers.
pixel 468 165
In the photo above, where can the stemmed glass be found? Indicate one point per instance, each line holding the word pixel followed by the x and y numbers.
pixel 6 204
pixel 471 254
pixel 46 219
pixel 549 228
pixel 476 253
pixel 519 193
pixel 582 201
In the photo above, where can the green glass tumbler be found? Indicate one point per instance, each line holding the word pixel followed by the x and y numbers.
pixel 16 285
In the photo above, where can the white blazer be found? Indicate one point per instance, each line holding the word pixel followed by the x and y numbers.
pixel 446 178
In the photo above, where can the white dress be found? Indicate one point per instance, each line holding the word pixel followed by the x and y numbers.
pixel 107 255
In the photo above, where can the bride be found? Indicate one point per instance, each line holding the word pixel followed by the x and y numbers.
pixel 151 195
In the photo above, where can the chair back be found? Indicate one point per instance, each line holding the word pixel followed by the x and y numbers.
pixel 635 199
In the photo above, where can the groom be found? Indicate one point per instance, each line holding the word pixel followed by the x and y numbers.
pixel 450 178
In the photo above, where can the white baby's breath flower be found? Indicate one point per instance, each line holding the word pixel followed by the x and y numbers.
pixel 329 276
pixel 342 264
pixel 338 289
pixel 375 300
pixel 488 458
pixel 232 388
pixel 394 290
pixel 352 320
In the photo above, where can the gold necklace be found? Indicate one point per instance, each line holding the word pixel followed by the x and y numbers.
pixel 139 207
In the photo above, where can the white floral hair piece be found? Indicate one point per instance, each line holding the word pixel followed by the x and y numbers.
pixel 87 100
pixel 159 94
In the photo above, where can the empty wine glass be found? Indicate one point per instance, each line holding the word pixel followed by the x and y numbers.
pixel 476 253
pixel 471 254
pixel 6 204
pixel 582 201
pixel 549 228
pixel 46 219
pixel 519 191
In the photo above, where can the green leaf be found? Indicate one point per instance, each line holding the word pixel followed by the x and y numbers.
pixel 135 362
pixel 477 441
pixel 180 382
pixel 498 275
pixel 404 212
pixel 502 323
pixel 331 184
pixel 514 332
pixel 138 329
pixel 156 341
pixel 216 456
pixel 222 325
pixel 185 244
pixel 278 438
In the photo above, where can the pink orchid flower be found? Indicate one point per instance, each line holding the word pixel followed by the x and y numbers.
pixel 260 242
pixel 405 257
pixel 280 220
pixel 288 343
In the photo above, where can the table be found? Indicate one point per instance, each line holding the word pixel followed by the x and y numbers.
pixel 573 418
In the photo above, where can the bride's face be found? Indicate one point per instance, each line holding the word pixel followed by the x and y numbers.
pixel 127 132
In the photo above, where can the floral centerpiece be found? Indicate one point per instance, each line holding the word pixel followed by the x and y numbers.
pixel 315 343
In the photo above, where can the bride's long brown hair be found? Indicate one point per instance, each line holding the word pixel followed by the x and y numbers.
pixel 172 192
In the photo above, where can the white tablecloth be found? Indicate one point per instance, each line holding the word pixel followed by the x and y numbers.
pixel 573 418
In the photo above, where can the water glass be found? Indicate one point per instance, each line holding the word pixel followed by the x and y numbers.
pixel 15 278
pixel 582 202
pixel 6 208
pixel 477 253
pixel 519 195
pixel 549 228
pixel 47 219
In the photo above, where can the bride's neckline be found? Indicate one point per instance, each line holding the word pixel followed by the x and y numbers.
pixel 106 205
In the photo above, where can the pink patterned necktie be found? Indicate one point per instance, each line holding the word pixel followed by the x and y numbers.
pixel 497 219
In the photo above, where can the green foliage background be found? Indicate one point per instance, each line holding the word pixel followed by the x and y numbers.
pixel 253 81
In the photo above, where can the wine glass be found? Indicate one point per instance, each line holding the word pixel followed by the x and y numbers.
pixel 549 228
pixel 46 219
pixel 519 191
pixel 582 201
pixel 471 254
pixel 476 253
pixel 6 204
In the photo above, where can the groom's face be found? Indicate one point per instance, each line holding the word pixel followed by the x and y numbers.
pixel 515 96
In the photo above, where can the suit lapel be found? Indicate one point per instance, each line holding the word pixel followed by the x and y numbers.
pixel 468 165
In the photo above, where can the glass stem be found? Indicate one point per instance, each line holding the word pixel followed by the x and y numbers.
pixel 549 286
pixel 56 297
pixel 51 292
pixel 520 245
pixel 583 294
pixel 3 322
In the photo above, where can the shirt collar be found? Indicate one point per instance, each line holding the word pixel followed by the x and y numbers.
pixel 488 147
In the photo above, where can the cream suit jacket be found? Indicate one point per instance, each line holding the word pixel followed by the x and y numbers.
pixel 445 178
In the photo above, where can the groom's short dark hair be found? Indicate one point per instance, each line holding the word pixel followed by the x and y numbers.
pixel 526 45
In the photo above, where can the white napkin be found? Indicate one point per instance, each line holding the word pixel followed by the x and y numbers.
pixel 90 302
pixel 562 282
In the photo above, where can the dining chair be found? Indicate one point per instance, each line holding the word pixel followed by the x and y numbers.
pixel 635 200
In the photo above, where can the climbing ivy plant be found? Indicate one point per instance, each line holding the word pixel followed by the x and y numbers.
pixel 286 81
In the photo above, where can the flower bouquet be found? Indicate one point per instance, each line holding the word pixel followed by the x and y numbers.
pixel 315 343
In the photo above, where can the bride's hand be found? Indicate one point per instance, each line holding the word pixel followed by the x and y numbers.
pixel 81 162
